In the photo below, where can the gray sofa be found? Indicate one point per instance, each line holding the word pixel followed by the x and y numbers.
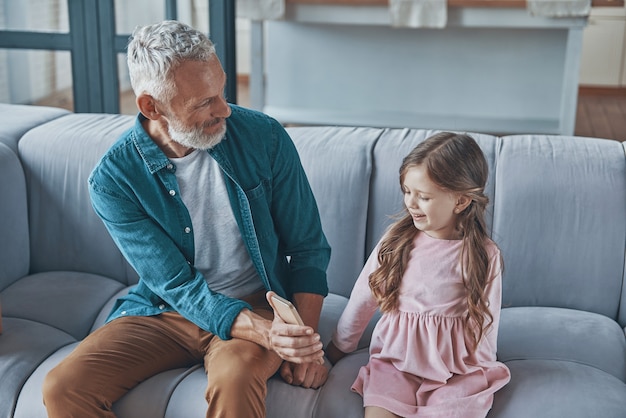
pixel 558 212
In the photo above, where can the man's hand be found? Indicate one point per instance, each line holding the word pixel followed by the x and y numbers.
pixel 303 353
pixel 295 343
pixel 307 375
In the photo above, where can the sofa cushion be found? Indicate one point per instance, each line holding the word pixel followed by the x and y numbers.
pixel 556 389
pixel 69 301
pixel 24 345
pixel 148 399
pixel 30 400
pixel 107 308
pixel 339 172
pixel 336 399
pixel 187 400
pixel 152 396
pixel 14 246
pixel 554 197
pixel 562 334
pixel 622 310
pixel 65 232
pixel 16 120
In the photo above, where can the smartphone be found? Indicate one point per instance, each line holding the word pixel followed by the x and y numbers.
pixel 285 310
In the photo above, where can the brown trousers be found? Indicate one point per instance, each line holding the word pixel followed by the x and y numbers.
pixel 126 351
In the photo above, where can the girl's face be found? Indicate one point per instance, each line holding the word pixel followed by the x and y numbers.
pixel 433 209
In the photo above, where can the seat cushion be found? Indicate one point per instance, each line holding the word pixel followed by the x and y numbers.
pixel 69 301
pixel 24 345
pixel 557 389
pixel 336 399
pixel 536 333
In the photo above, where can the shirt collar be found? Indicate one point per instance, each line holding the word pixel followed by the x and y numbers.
pixel 153 157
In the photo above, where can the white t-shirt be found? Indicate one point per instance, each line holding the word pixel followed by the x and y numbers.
pixel 220 253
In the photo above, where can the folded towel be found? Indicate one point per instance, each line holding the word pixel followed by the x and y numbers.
pixel 261 9
pixel 418 13
pixel 559 8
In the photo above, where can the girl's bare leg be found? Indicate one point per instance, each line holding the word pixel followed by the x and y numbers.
pixel 377 412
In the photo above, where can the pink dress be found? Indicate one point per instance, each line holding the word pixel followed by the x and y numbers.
pixel 420 360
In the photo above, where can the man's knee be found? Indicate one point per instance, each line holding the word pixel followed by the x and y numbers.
pixel 246 372
pixel 55 386
pixel 65 381
pixel 71 391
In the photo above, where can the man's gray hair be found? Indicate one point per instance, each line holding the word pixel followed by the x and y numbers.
pixel 155 50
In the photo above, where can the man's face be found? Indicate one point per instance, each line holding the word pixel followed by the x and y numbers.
pixel 197 113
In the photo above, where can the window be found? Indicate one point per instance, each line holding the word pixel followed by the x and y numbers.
pixel 71 53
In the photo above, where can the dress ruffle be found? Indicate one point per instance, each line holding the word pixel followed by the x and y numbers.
pixel 428 371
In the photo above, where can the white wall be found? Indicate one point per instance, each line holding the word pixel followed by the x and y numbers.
pixel 26 76
pixel 603 61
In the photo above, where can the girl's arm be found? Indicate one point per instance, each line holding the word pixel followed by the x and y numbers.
pixel 494 297
pixel 333 353
pixel 358 312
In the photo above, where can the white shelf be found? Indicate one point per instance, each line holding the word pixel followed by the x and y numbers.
pixel 462 123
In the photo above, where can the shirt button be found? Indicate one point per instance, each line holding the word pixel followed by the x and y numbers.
pixel 169 166
pixel 123 312
pixel 161 306
pixel 187 230
pixel 172 192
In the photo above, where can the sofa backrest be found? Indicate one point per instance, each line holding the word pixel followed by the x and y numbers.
pixel 560 220
pixel 16 120
pixel 65 232
pixel 14 250
pixel 338 162
pixel 557 210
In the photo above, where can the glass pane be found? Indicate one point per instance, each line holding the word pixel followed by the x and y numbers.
pixel 127 96
pixel 36 77
pixel 129 14
pixel 34 15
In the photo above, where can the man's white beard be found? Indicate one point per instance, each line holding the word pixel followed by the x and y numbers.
pixel 195 137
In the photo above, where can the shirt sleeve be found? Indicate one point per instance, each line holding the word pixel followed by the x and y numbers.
pixel 296 216
pixel 359 310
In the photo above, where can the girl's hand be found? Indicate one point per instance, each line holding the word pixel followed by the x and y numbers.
pixel 333 353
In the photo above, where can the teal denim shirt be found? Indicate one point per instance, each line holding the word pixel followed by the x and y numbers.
pixel 134 190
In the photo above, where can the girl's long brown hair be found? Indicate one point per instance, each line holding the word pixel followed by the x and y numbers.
pixel 455 163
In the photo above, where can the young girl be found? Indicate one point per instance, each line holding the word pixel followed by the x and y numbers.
pixel 436 278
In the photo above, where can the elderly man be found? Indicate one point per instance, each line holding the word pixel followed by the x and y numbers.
pixel 210 205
